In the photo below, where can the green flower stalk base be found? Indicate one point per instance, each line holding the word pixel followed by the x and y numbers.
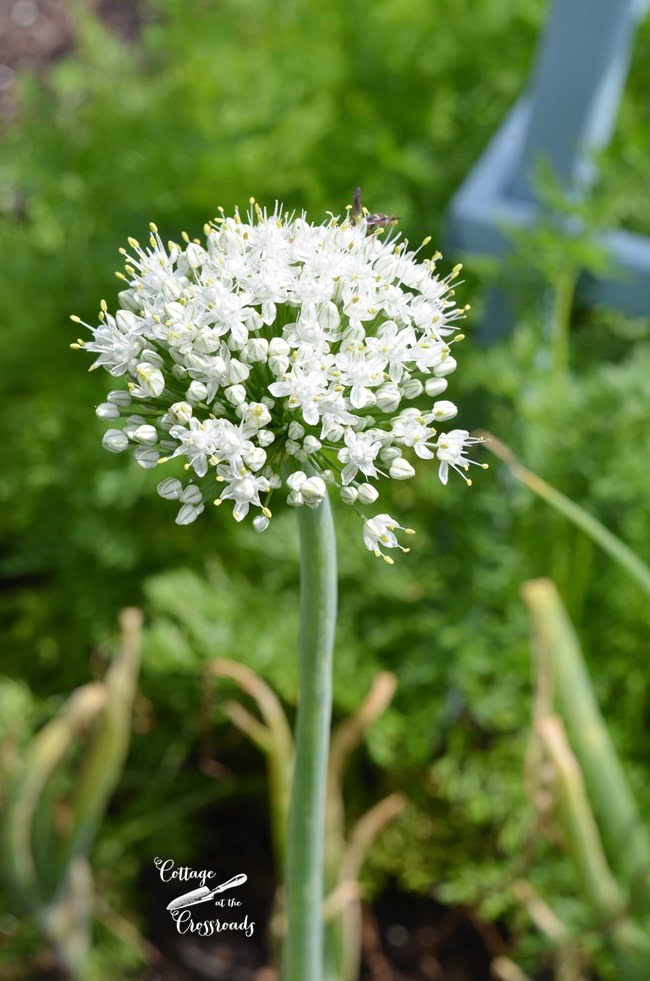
pixel 303 949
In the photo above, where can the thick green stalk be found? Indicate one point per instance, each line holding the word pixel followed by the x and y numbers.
pixel 303 949
pixel 624 834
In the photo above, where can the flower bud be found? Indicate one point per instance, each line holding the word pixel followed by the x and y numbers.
pixel 120 398
pixel 146 457
pixel 388 397
pixel 191 495
pixel 352 335
pixel 237 372
pixel 255 459
pixel 412 388
pixel 254 322
pixel 311 444
pixel 278 365
pixel 445 367
pixel 328 316
pixel 279 348
pixel 265 437
pixel 335 432
pixel 368 494
pixel 401 469
pixel 132 424
pixel 129 301
pixel 444 410
pixel 269 312
pixel 386 267
pixel 207 341
pixel 188 513
pixel 389 453
pixel 126 321
pixel 171 489
pixel 115 441
pixel 349 494
pixel 435 386
pixel 196 255
pixel 296 480
pixel 313 491
pixel 296 431
pixel 236 394
pixel 197 392
pixel 146 434
pixel 260 523
pixel 171 289
pixel 257 349
pixel 152 358
pixel 107 411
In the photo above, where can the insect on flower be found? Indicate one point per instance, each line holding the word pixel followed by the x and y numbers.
pixel 372 221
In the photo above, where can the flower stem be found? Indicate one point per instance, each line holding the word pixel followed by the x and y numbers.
pixel 303 951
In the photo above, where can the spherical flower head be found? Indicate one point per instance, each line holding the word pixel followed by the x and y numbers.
pixel 275 340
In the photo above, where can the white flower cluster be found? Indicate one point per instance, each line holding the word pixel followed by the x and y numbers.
pixel 278 340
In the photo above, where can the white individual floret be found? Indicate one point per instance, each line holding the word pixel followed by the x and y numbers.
pixel 379 532
pixel 451 450
pixel 359 453
pixel 151 381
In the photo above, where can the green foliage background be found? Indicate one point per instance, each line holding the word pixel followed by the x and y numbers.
pixel 301 102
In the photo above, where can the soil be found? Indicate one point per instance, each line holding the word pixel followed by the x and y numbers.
pixel 405 937
pixel 36 33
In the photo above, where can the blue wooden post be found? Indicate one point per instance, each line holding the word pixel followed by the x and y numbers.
pixel 569 112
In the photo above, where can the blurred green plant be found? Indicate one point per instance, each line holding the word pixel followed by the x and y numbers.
pixel 601 825
pixel 48 836
pixel 211 104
